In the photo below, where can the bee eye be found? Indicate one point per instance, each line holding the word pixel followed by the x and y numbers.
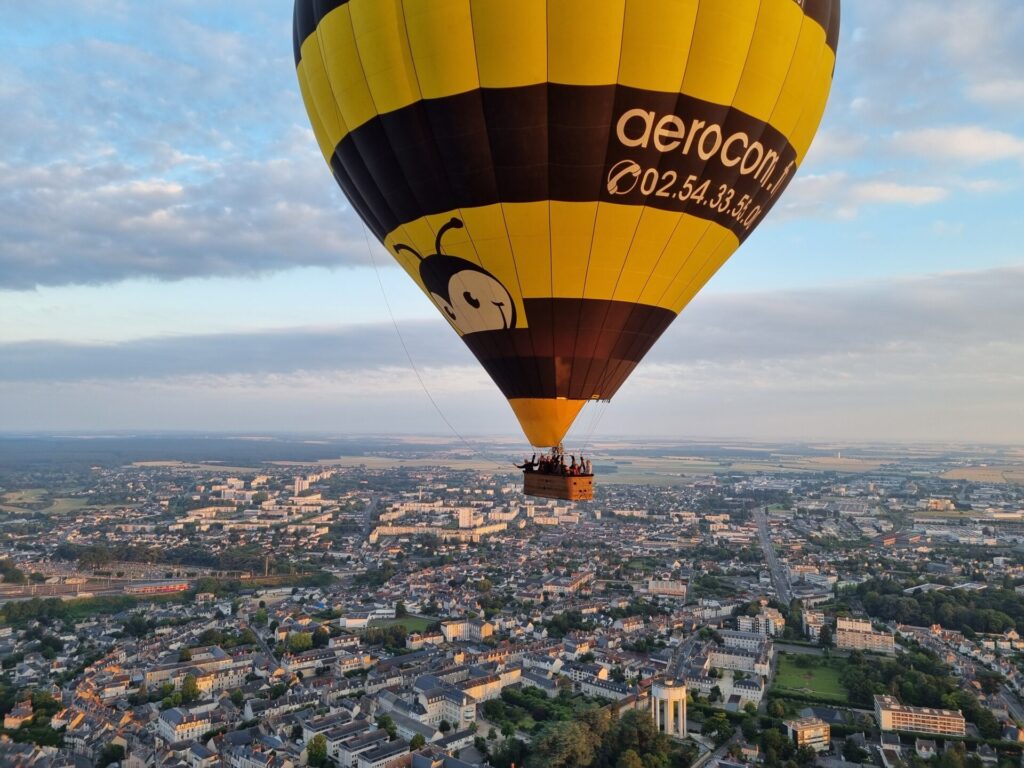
pixel 474 303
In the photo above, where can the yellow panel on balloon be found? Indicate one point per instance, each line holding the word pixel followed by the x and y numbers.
pixel 572 237
pixel 503 64
pixel 721 40
pixel 384 53
pixel 531 243
pixel 770 56
pixel 652 236
pixel 656 40
pixel 443 49
pixel 344 69
pixel 583 41
pixel 613 235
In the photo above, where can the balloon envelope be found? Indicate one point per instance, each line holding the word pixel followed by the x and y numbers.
pixel 561 177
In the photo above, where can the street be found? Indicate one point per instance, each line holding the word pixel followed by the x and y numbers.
pixel 780 580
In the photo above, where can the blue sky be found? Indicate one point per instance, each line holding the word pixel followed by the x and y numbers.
pixel 162 199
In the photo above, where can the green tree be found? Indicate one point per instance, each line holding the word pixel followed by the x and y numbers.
pixel 444 726
pixel 260 619
pixel 825 637
pixel 112 753
pixel 189 689
pixel 321 637
pixel 316 751
pixel 385 723
pixel 300 641
pixel 629 759
pixel 400 610
pixel 853 753
pixel 417 742
pixel 137 625
pixel 237 697
pixel 566 744
pixel 185 654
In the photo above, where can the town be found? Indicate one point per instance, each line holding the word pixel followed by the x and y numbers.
pixel 391 612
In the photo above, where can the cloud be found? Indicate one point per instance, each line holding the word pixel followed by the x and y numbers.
pixel 929 355
pixel 97 223
pixel 352 348
pixel 971 143
pixel 891 192
pixel 163 143
pixel 836 194
pixel 1002 92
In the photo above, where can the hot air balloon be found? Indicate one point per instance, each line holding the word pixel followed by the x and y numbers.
pixel 561 177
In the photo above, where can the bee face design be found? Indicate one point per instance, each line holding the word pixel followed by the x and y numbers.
pixel 470 297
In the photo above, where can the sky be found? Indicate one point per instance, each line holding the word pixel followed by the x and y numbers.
pixel 175 255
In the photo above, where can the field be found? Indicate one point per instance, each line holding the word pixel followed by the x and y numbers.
pixel 410 622
pixel 987 474
pixel 32 500
pixel 818 679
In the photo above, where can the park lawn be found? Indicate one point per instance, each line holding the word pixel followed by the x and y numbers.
pixel 642 563
pixel 411 623
pixel 819 680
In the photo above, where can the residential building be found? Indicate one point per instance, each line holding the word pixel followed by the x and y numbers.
pixel 810 732
pixel 894 716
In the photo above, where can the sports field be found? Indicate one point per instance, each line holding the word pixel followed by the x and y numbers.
pixel 411 623
pixel 814 676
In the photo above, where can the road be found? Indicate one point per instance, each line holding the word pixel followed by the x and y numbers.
pixel 1013 704
pixel 780 580
pixel 719 752
pixel 675 664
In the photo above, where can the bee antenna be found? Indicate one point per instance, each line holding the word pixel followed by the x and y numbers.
pixel 452 223
pixel 400 247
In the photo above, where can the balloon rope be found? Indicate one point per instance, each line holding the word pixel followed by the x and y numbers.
pixel 412 363
pixel 602 408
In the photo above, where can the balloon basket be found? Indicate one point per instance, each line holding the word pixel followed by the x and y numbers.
pixel 565 487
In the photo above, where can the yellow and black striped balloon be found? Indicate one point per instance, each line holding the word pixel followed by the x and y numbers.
pixel 561 177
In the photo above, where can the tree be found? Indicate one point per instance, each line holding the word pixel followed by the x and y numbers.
pixel 321 637
pixel 316 751
pixel 805 756
pixel 777 709
pixel 137 625
pixel 852 752
pixel 189 689
pixel 444 726
pixel 825 637
pixel 260 619
pixel 564 744
pixel 719 727
pixel 385 723
pixel 629 759
pixel 400 610
pixel 185 654
pixel 417 742
pixel 112 753
pixel 300 641
pixel 237 697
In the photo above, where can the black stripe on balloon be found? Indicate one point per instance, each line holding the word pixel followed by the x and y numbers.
pixel 306 18
pixel 615 334
pixel 555 142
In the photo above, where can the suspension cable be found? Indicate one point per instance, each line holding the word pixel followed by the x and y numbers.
pixel 412 363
